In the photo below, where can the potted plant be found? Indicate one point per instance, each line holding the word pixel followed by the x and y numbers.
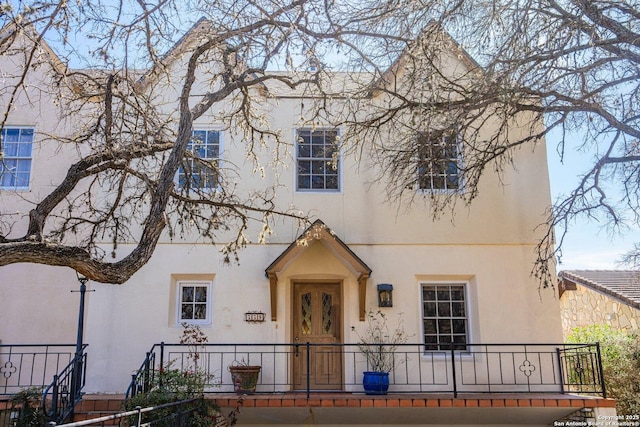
pixel 244 377
pixel 379 343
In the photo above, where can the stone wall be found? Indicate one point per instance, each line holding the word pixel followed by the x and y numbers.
pixel 584 306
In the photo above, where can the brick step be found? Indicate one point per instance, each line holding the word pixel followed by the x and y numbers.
pixel 96 406
pixel 100 403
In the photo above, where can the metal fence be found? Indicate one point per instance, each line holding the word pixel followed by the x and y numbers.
pixel 306 367
pixel 31 365
pixel 174 414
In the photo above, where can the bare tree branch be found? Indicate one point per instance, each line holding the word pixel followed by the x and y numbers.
pixel 572 64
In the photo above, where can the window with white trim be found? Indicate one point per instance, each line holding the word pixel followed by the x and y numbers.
pixel 444 316
pixel 317 160
pixel 194 302
pixel 15 162
pixel 200 169
pixel 438 161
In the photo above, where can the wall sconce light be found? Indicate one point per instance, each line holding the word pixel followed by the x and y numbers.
pixel 385 297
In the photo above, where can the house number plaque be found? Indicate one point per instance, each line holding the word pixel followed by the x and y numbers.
pixel 254 317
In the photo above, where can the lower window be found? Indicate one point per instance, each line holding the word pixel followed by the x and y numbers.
pixel 194 302
pixel 444 317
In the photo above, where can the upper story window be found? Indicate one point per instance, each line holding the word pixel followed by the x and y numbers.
pixel 15 163
pixel 201 171
pixel 438 161
pixel 318 160
pixel 194 302
pixel 444 317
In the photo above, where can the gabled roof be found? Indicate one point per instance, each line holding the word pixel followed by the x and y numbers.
pixel 432 29
pixel 320 232
pixel 623 285
pixel 14 30
pixel 334 83
pixel 188 39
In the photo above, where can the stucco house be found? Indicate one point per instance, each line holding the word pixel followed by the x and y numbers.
pixel 478 327
pixel 599 297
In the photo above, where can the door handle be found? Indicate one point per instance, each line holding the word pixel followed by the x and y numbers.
pixel 297 346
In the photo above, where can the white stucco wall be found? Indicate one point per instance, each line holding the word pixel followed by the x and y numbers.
pixel 489 247
pixel 37 305
pixel 124 321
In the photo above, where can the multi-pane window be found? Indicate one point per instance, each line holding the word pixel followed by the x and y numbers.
pixel 15 163
pixel 194 301
pixel 444 317
pixel 438 161
pixel 201 170
pixel 317 158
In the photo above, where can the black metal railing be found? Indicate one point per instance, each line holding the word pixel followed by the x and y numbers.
pixel 31 365
pixel 144 377
pixel 582 370
pixel 63 394
pixel 480 368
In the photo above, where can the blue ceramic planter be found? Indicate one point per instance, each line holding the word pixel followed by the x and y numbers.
pixel 376 382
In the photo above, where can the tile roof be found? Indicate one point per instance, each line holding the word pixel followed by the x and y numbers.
pixel 621 284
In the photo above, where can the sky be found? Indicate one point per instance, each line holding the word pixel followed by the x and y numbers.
pixel 587 245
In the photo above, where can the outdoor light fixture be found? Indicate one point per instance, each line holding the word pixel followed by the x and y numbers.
pixel 385 297
pixel 82 278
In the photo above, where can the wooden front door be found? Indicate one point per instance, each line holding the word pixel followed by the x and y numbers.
pixel 317 320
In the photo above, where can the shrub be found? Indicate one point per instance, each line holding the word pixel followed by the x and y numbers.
pixel 169 384
pixel 28 404
pixel 620 362
pixel 172 385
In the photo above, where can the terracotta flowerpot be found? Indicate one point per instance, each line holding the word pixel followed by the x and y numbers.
pixel 244 378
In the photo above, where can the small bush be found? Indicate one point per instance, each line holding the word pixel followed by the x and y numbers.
pixel 620 362
pixel 172 385
pixel 28 404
